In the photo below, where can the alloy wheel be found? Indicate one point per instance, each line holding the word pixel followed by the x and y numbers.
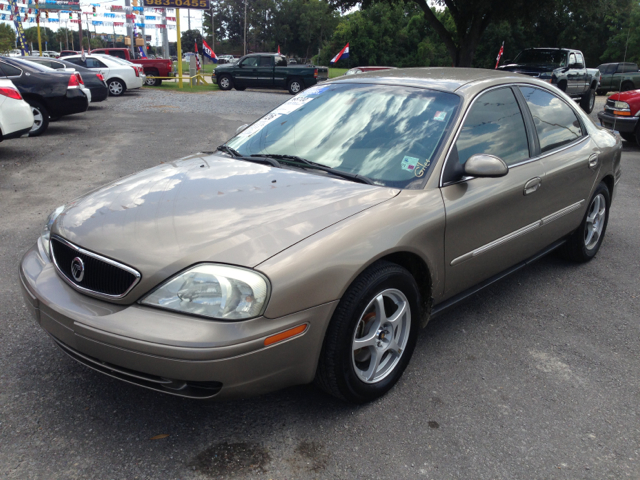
pixel 37 119
pixel 381 336
pixel 115 88
pixel 295 87
pixel 595 221
pixel 224 82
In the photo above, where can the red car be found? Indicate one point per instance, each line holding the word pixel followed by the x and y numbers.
pixel 621 113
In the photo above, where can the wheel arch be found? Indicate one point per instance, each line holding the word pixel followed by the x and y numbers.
pixel 420 272
pixel 610 182
pixel 594 84
pixel 152 71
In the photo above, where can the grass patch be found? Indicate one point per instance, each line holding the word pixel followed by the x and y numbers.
pixel 336 72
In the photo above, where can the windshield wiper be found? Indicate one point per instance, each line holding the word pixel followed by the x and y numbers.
pixel 263 159
pixel 299 161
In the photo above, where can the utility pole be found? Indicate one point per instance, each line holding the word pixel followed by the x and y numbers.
pixel 165 35
pixel 213 29
pixel 189 18
pixel 129 25
pixel 245 27
pixel 80 30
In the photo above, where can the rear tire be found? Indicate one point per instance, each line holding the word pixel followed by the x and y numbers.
pixel 295 86
pixel 588 100
pixel 225 82
pixel 601 92
pixel 153 82
pixel 372 334
pixel 116 87
pixel 626 86
pixel 40 118
pixel 583 244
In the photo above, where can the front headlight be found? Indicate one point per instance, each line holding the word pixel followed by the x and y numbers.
pixel 621 105
pixel 216 291
pixel 45 236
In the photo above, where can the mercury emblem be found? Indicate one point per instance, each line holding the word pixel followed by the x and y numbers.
pixel 77 269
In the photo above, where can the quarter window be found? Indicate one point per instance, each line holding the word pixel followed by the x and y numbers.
pixel 94 63
pixel 556 123
pixel 10 71
pixel 494 126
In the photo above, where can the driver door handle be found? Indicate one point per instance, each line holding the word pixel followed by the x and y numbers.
pixel 532 185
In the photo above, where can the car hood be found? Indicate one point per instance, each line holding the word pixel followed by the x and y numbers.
pixel 531 70
pixel 209 208
pixel 628 96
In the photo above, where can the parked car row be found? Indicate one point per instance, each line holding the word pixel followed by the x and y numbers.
pixel 52 88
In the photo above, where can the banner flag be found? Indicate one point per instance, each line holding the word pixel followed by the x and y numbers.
pixel 344 53
pixel 22 42
pixel 208 52
pixel 499 55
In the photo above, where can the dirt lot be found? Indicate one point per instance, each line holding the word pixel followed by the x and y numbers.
pixel 534 378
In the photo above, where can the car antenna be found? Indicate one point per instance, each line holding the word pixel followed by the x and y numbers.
pixel 624 60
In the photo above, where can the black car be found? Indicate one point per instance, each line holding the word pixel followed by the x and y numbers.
pixel 50 93
pixel 94 81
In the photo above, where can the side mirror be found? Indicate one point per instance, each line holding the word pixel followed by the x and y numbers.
pixel 241 128
pixel 483 165
pixel 240 65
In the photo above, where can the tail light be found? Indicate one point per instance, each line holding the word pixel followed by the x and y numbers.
pixel 315 73
pixel 135 69
pixel 100 77
pixel 10 92
pixel 75 80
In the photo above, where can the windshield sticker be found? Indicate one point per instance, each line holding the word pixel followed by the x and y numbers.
pixel 440 116
pixel 313 91
pixel 292 105
pixel 409 163
pixel 421 167
pixel 260 124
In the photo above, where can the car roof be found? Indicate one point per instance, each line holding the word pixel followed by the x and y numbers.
pixel 447 79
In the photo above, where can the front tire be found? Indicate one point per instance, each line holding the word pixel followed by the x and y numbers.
pixel 40 118
pixel 225 82
pixel 583 244
pixel 116 87
pixel 588 101
pixel 372 334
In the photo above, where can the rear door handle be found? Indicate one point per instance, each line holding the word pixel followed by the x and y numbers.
pixel 532 185
pixel 593 160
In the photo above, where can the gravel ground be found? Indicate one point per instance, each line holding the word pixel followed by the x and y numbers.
pixel 231 103
pixel 534 378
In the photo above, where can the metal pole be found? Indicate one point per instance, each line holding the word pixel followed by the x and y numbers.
pixel 129 25
pixel 165 35
pixel 245 27
pixel 80 31
pixel 189 18
pixel 39 38
pixel 213 30
pixel 179 48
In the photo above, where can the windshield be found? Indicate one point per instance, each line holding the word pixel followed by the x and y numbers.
pixel 386 133
pixel 542 57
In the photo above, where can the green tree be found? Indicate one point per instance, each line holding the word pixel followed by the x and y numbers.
pixel 7 38
pixel 189 38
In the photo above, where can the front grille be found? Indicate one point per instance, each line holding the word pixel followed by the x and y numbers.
pixel 611 104
pixel 101 276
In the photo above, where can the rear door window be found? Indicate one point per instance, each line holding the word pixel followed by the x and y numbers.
pixel 556 122
pixel 281 62
pixel 250 62
pixel 117 53
pixel 76 61
pixel 494 126
pixel 266 61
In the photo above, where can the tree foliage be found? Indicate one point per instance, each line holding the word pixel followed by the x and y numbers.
pixel 7 38
pixel 188 40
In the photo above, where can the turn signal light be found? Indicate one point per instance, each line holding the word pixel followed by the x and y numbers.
pixel 279 337
pixel 10 92
pixel 624 114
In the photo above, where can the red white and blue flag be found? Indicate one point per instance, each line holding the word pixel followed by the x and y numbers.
pixel 197 57
pixel 208 52
pixel 499 55
pixel 344 53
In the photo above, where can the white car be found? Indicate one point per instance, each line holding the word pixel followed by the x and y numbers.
pixel 135 66
pixel 16 118
pixel 119 77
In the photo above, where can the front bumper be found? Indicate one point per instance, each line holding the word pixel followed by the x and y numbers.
pixel 168 352
pixel 622 124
